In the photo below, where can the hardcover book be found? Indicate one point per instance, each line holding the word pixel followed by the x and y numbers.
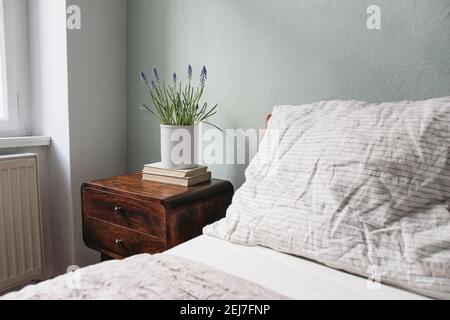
pixel 183 182
pixel 157 169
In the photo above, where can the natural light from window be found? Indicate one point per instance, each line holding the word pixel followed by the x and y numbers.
pixel 3 113
pixel 2 104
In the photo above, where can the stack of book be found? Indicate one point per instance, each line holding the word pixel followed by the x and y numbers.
pixel 185 177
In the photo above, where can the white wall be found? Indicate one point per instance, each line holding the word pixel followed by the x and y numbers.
pixel 97 102
pixel 50 109
pixel 78 93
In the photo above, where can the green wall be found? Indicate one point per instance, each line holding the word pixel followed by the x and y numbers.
pixel 261 53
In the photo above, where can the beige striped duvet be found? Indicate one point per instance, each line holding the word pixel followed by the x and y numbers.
pixel 357 186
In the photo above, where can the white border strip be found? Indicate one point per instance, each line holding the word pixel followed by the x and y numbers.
pixel 24 142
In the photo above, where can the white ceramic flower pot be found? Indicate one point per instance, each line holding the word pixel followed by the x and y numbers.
pixel 177 146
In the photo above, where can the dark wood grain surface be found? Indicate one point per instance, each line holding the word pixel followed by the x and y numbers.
pixel 133 186
pixel 121 242
pixel 124 215
pixel 142 216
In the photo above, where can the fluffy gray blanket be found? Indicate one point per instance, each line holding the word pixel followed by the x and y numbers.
pixel 145 277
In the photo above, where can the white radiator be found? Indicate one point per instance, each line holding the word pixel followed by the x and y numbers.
pixel 21 253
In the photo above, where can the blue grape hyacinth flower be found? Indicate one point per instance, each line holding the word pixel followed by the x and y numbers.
pixel 143 77
pixel 190 72
pixel 175 102
pixel 155 74
pixel 203 76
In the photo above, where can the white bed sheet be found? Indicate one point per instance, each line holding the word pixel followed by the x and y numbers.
pixel 290 276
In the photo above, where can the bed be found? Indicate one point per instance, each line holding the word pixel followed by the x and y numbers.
pixel 344 200
pixel 289 276
pixel 277 276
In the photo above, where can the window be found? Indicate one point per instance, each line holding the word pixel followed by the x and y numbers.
pixel 14 68
pixel 3 80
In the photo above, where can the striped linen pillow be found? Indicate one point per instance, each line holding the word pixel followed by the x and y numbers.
pixel 357 186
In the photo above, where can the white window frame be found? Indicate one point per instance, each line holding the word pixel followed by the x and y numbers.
pixel 16 74
pixel 4 83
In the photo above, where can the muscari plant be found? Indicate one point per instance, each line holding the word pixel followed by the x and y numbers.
pixel 175 105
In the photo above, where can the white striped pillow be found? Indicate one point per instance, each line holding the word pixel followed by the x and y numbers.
pixel 357 186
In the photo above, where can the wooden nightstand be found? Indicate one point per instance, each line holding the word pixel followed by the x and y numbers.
pixel 124 216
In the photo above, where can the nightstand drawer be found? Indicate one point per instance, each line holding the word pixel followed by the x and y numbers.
pixel 125 215
pixel 119 241
pixel 140 216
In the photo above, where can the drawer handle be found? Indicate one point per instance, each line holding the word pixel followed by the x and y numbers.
pixel 119 242
pixel 118 210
